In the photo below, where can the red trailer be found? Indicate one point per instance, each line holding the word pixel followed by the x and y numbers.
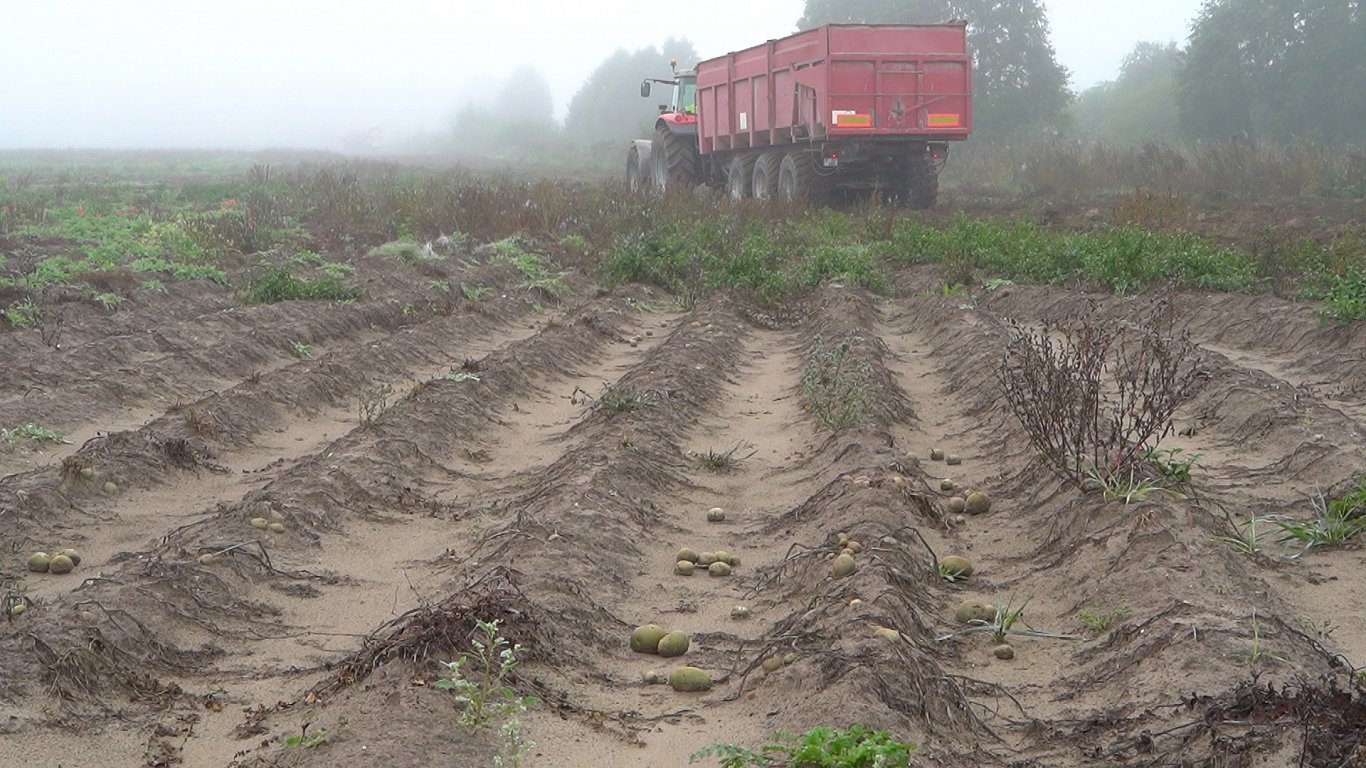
pixel 842 106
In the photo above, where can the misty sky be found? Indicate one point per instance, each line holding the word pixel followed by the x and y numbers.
pixel 302 73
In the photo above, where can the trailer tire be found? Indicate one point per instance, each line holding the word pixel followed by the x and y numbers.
pixel 637 176
pixel 765 176
pixel 739 177
pixel 922 183
pixel 797 180
pixel 675 162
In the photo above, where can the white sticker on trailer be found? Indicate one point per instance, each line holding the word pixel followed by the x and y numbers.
pixel 744 121
pixel 835 115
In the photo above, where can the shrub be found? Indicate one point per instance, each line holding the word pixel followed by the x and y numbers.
pixel 1096 396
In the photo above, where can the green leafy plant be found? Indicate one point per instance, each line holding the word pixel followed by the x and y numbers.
pixel 305 740
pixel 837 385
pixel 301 350
pixel 1173 465
pixel 488 696
pixel 475 292
pixel 22 314
pixel 857 746
pixel 1346 298
pixel 277 283
pixel 30 431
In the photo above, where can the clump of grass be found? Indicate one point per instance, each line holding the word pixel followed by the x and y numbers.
pixel 1249 537
pixel 720 461
pixel 1334 522
pixel 1099 619
pixel 1002 625
pixel 837 386
pixel 616 398
pixel 278 283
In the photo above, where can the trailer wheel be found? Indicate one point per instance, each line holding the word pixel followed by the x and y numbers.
pixel 765 176
pixel 637 177
pixel 739 176
pixel 797 180
pixel 675 162
pixel 922 183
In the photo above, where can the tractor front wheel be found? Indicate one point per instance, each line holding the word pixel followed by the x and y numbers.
pixel 675 161
pixel 637 175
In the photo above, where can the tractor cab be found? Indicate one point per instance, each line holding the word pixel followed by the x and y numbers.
pixel 684 99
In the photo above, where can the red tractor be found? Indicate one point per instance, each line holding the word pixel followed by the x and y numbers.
pixel 843 107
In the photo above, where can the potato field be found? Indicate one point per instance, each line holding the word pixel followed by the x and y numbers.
pixel 372 465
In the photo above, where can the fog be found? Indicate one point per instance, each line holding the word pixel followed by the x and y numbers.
pixel 300 73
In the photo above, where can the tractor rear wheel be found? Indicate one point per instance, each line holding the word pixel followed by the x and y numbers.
pixel 739 177
pixel 922 183
pixel 675 161
pixel 765 176
pixel 797 180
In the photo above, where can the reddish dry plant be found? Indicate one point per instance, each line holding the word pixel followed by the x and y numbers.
pixel 1096 395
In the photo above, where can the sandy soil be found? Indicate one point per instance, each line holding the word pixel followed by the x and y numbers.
pixel 541 465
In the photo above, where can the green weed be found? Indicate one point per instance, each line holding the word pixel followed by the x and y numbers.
pixel 277 283
pixel 1098 619
pixel 31 431
pixel 475 292
pixel 1173 465
pixel 855 747
pixel 1129 488
pixel 720 461
pixel 1249 539
pixel 22 314
pixel 837 386
pixel 613 399
pixel 489 696
pixel 1002 625
pixel 1345 299
pixel 1334 522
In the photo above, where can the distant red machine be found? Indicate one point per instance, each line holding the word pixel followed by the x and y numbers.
pixel 839 107
pixel 360 141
